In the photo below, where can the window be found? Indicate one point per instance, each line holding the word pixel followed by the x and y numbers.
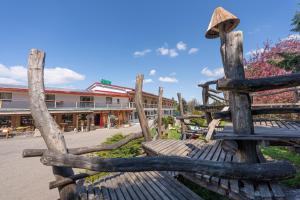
pixel 87 98
pixel 50 100
pixel 26 121
pixel 118 101
pixel 86 101
pixel 67 118
pixel 108 100
pixel 5 96
pixel 50 97
pixel 5 121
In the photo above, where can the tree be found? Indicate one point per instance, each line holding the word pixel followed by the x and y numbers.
pixel 274 60
pixel 296 22
pixel 191 105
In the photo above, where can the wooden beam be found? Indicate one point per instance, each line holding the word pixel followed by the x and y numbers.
pixel 268 171
pixel 84 150
pixel 159 112
pixel 214 91
pixel 216 96
pixel 212 126
pixel 205 100
pixel 181 112
pixel 207 83
pixel 139 107
pixel 259 84
pixel 49 129
pixel 239 103
pixel 258 111
pixel 190 117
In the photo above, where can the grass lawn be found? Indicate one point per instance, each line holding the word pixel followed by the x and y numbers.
pixel 283 153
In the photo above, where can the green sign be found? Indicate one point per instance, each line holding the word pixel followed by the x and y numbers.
pixel 105 82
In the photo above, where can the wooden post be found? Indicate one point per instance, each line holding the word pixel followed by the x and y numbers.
pixel 183 135
pixel 205 102
pixel 49 129
pixel 139 107
pixel 159 111
pixel 240 104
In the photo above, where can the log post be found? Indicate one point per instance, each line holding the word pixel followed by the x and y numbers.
pixel 159 112
pixel 49 129
pixel 240 104
pixel 205 102
pixel 181 112
pixel 139 107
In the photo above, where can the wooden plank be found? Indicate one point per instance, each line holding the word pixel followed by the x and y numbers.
pixel 129 187
pixel 137 186
pixel 161 181
pixel 248 189
pixel 105 192
pixel 264 191
pixel 90 192
pixel 112 189
pixel 149 187
pixel 165 188
pixel 225 182
pixel 277 191
pixel 234 185
pixel 121 185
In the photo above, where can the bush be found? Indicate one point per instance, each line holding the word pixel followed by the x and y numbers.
pixel 168 120
pixel 199 122
pixel 131 149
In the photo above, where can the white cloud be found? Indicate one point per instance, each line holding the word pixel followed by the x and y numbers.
pixel 181 46
pixel 255 51
pixel 9 81
pixel 152 72
pixel 193 50
pixel 168 79
pixel 53 76
pixel 60 75
pixel 213 73
pixel 163 51
pixel 173 53
pixel 141 53
pixel 167 52
pixel 173 74
pixel 292 37
pixel 149 80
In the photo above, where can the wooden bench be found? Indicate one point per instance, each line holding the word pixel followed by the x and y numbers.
pixel 137 186
pixel 235 189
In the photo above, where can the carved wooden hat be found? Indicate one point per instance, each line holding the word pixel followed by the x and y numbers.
pixel 220 16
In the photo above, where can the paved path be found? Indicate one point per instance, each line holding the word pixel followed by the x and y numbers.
pixel 26 178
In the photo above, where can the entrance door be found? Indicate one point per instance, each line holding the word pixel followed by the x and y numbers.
pixel 97 119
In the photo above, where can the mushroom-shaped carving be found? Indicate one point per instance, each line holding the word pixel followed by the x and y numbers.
pixel 224 18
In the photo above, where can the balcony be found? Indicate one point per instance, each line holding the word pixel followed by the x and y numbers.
pixel 21 105
pixel 10 105
pixel 153 106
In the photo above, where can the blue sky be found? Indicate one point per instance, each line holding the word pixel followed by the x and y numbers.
pixel 89 40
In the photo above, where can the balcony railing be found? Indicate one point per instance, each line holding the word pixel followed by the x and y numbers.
pixel 152 106
pixel 21 104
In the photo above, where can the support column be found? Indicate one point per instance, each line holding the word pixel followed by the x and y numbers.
pixel 240 105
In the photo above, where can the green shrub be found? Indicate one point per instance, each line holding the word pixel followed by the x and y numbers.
pixel 131 149
pixel 168 120
pixel 199 122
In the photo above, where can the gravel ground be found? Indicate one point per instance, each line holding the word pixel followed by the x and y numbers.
pixel 27 178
